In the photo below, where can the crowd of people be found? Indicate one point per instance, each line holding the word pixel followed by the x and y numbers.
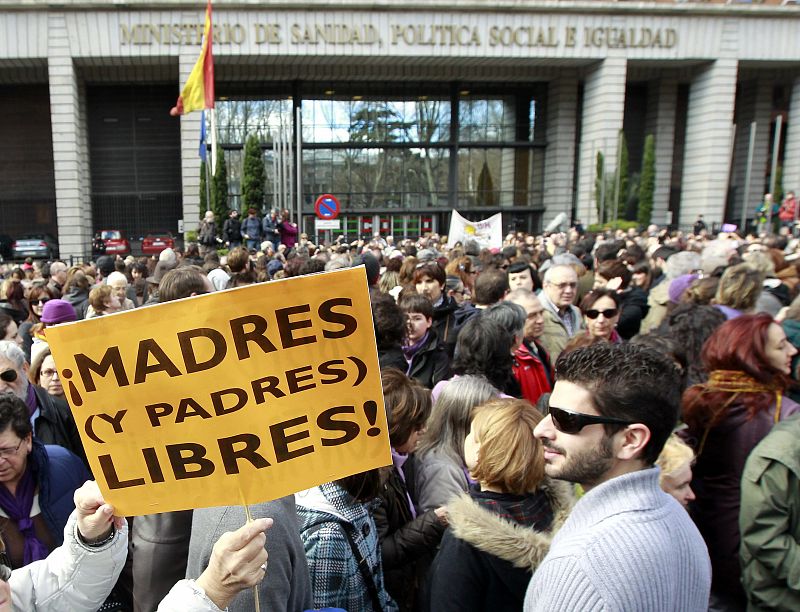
pixel 577 422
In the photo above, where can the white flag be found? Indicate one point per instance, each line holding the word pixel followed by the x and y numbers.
pixel 488 233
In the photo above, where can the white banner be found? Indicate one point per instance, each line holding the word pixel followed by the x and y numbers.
pixel 488 233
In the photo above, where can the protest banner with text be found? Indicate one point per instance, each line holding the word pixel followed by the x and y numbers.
pixel 235 397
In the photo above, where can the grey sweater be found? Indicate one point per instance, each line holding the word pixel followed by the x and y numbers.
pixel 287 586
pixel 627 546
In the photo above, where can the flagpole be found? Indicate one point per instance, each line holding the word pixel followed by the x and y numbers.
pixel 213 114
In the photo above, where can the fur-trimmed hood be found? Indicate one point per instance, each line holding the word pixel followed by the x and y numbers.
pixel 521 546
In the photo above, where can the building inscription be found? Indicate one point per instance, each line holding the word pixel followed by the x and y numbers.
pixel 528 36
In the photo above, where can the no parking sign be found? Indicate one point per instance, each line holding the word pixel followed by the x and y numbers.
pixel 327 207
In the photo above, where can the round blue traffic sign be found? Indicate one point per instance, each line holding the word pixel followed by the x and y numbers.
pixel 327 206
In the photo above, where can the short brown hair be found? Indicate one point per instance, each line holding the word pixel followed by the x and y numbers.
pixel 98 297
pixel 500 425
pixel 408 405
pixel 181 283
pixel 613 269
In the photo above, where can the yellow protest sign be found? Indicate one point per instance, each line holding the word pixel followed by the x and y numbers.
pixel 240 396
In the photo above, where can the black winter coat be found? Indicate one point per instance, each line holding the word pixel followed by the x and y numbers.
pixel 232 230
pixel 407 544
pixel 634 309
pixel 56 425
pixel 486 561
pixel 444 322
pixel 430 363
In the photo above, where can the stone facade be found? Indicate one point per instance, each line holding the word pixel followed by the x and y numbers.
pixel 570 45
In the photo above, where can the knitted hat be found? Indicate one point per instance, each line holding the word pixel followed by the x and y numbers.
pixel 679 285
pixel 58 311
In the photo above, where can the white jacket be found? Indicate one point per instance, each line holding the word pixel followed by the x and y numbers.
pixel 73 577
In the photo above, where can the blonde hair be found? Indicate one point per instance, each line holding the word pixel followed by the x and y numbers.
pixel 740 287
pixel 675 454
pixel 510 457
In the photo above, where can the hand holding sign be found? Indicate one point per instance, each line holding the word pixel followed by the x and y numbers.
pixel 238 561
pixel 250 394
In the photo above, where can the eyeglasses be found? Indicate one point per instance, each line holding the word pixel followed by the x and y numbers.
pixel 569 422
pixel 40 301
pixel 608 313
pixel 10 452
pixel 8 376
pixel 48 373
pixel 562 286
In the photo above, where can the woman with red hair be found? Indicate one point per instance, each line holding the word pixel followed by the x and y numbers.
pixel 749 361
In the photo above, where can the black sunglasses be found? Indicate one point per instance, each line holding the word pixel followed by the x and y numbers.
pixel 608 313
pixel 40 301
pixel 8 376
pixel 569 422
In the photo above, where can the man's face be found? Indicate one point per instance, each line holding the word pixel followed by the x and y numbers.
pixel 561 287
pixel 534 315
pixel 19 386
pixel 59 273
pixel 586 457
pixel 520 280
pixel 119 286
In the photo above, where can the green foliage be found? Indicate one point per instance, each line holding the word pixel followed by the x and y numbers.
pixel 219 187
pixel 598 186
pixel 778 195
pixel 203 190
pixel 613 225
pixel 486 193
pixel 190 236
pixel 647 183
pixel 621 180
pixel 253 177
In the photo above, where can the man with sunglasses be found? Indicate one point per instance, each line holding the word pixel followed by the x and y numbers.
pixel 626 545
pixel 50 417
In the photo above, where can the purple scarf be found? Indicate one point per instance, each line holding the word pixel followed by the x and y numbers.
pixel 30 400
pixel 18 509
pixel 398 459
pixel 409 350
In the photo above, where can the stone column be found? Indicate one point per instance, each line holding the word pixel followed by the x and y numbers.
pixel 603 112
pixel 791 160
pixel 559 163
pixel 707 151
pixel 70 144
pixel 190 147
pixel 663 97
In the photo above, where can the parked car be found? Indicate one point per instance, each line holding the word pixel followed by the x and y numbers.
pixel 39 246
pixel 6 252
pixel 115 242
pixel 155 242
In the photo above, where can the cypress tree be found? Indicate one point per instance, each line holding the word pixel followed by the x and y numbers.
pixel 647 184
pixel 253 178
pixel 203 192
pixel 622 194
pixel 219 187
pixel 598 187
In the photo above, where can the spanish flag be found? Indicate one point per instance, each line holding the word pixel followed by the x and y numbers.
pixel 198 93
